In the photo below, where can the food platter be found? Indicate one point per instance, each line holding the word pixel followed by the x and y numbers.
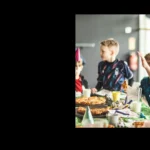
pixel 92 101
pixel 102 115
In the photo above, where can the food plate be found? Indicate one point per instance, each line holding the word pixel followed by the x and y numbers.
pixel 91 101
pixel 104 92
pixel 94 116
pixel 96 105
pixel 103 115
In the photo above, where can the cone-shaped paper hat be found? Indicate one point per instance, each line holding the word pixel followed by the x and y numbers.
pixel 78 56
pixel 87 118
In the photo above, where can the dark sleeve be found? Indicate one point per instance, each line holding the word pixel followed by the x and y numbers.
pixel 85 83
pixel 131 81
pixel 99 79
pixel 127 71
pixel 142 85
pixel 98 86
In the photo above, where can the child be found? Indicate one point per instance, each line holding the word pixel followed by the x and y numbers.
pixel 145 63
pixel 80 82
pixel 145 82
pixel 111 71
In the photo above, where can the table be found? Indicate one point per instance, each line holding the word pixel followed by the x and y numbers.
pixel 145 110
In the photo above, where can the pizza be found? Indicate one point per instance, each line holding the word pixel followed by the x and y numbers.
pixel 90 101
pixel 94 111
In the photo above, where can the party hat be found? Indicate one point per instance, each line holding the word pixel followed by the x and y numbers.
pixel 77 54
pixel 87 118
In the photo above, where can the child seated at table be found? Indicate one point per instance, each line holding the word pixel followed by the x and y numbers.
pixel 80 82
pixel 111 71
pixel 145 82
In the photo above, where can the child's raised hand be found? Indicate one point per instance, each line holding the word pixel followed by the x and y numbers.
pixel 93 90
pixel 144 62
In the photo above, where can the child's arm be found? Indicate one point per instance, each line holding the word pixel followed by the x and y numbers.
pixel 99 80
pixel 148 70
pixel 127 71
pixel 98 86
pixel 131 81
pixel 85 82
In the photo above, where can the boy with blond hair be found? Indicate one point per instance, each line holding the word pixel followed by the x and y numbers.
pixel 111 71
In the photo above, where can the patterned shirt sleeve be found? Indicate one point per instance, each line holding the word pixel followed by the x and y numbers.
pixel 99 79
pixel 127 71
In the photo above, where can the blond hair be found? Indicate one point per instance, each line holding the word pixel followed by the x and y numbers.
pixel 147 56
pixel 111 42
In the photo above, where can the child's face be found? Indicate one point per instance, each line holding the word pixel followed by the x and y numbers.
pixel 148 60
pixel 78 67
pixel 105 53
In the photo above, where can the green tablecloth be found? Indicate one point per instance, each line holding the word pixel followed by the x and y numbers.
pixel 146 111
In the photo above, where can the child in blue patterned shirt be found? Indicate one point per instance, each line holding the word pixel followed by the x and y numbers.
pixel 111 71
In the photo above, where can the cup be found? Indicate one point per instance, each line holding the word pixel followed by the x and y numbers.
pixel 136 106
pixel 87 93
pixel 116 96
pixel 114 119
pixel 108 116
